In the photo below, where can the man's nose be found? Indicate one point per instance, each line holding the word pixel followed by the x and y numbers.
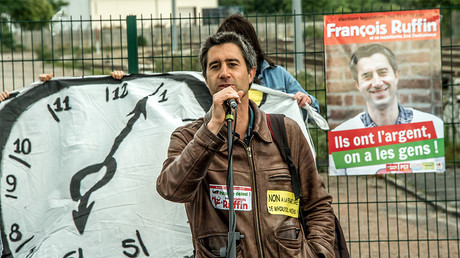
pixel 376 80
pixel 224 73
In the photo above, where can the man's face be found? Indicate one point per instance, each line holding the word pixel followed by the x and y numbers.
pixel 226 68
pixel 377 81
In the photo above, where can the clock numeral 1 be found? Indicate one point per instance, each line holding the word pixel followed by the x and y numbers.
pixel 24 146
pixel 116 92
pixel 127 243
pixel 163 96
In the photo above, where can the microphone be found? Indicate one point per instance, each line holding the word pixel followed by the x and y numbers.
pixel 231 103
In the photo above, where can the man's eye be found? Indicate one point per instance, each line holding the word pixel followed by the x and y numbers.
pixel 366 76
pixel 214 67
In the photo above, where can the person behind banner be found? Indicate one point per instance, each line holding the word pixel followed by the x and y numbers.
pixel 195 170
pixel 268 74
pixel 117 74
pixel 376 75
pixel 4 95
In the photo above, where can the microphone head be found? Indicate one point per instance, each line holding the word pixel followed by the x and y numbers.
pixel 231 103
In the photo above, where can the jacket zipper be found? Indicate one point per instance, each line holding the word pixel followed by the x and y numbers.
pixel 256 210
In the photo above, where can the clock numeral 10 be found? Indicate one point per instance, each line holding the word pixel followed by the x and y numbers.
pixel 129 243
pixel 24 146
pixel 116 92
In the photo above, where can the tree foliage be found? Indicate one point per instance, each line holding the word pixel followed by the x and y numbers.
pixel 338 6
pixel 30 11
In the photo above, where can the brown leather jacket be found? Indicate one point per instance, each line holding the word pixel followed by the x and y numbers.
pixel 197 166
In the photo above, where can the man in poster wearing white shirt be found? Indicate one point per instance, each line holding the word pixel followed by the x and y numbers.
pixel 376 75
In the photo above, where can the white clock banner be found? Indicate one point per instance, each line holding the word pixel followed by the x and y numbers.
pixel 80 158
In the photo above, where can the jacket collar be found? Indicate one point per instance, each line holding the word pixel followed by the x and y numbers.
pixel 260 127
pixel 262 66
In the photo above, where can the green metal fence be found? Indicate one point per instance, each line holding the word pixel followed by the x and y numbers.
pixel 409 215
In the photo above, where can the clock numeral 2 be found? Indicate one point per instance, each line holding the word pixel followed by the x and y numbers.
pixel 80 253
pixel 127 243
pixel 116 92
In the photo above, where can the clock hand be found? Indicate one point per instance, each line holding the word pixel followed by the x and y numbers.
pixel 80 216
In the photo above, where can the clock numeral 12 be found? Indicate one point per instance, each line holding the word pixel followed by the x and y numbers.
pixel 116 92
pixel 127 243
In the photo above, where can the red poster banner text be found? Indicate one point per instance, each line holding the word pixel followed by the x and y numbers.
pixel 380 136
pixel 381 27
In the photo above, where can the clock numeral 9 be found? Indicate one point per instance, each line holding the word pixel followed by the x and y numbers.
pixel 24 146
pixel 127 243
pixel 116 92
pixel 58 104
pixel 11 180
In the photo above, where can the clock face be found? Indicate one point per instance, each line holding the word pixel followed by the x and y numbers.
pixel 79 162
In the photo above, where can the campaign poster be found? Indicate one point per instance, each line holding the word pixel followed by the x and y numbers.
pixel 384 92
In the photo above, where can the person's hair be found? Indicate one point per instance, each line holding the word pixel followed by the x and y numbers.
pixel 237 23
pixel 228 37
pixel 369 50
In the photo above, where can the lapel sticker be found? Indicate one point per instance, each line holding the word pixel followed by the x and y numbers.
pixel 282 203
pixel 242 197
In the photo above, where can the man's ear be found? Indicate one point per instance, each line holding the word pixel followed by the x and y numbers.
pixel 205 79
pixel 252 73
pixel 356 85
pixel 397 74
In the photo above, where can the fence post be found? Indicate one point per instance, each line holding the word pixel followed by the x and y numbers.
pixel 131 27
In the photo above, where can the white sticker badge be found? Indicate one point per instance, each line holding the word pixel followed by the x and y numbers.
pixel 241 200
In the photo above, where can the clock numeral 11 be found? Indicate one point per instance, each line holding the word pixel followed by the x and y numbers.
pixel 129 243
pixel 59 107
pixel 58 104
